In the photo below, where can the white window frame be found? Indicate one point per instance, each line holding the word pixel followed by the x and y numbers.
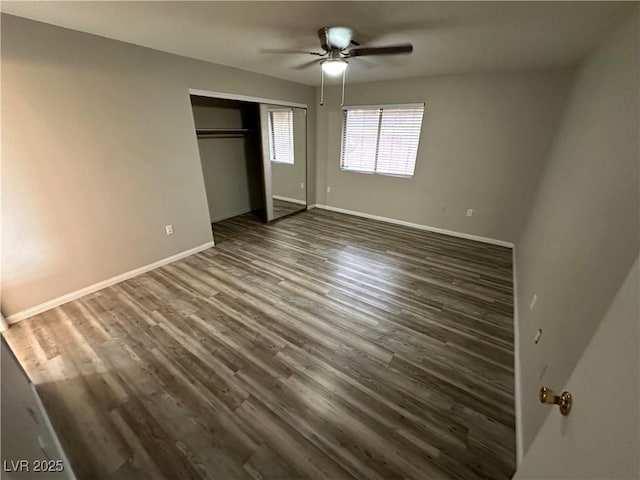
pixel 378 107
pixel 272 154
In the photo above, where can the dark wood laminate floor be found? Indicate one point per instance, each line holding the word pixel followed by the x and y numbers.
pixel 282 208
pixel 320 346
pixel 234 226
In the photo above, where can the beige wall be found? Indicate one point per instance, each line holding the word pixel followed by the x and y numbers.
pixel 483 144
pixel 218 113
pixel 287 179
pixel 582 233
pixel 601 436
pixel 231 166
pixel 98 155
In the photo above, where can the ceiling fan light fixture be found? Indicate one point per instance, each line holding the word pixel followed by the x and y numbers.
pixel 334 66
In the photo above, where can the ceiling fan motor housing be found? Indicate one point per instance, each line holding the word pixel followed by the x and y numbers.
pixel 335 38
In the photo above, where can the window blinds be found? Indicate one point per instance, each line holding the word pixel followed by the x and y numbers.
pixel 281 135
pixel 381 139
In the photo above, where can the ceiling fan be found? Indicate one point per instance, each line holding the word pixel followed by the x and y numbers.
pixel 336 43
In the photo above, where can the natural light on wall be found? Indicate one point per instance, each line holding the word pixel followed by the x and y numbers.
pixel 381 139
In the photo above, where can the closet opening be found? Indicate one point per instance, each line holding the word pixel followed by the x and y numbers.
pixel 254 161
pixel 228 133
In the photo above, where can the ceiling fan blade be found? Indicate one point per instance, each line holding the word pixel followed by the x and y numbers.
pixel 389 50
pixel 304 65
pixel 288 50
pixel 360 61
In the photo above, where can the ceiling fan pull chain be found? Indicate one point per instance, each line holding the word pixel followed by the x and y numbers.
pixel 321 87
pixel 344 75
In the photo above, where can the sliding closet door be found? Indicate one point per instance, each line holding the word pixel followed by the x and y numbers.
pixel 284 152
pixel 266 160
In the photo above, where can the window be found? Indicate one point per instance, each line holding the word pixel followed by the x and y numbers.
pixel 381 139
pixel 281 135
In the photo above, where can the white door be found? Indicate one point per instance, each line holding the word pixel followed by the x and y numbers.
pixel 600 438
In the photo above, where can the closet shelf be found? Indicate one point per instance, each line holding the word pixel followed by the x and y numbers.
pixel 222 132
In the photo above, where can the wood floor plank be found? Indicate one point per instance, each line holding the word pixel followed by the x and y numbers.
pixel 319 346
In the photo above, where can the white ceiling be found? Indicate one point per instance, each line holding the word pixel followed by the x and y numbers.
pixel 448 37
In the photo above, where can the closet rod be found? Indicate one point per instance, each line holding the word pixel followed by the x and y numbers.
pixel 222 135
pixel 223 132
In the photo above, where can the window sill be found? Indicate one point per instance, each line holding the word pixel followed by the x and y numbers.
pixel 351 170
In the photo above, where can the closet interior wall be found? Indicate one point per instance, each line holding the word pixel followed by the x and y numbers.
pixel 231 162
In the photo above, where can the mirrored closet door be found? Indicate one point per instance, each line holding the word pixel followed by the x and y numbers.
pixel 284 153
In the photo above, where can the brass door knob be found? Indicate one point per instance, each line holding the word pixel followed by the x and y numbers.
pixel 564 400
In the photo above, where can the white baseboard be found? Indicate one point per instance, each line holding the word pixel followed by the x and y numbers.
pixel 287 199
pixel 312 206
pixel 56 302
pixel 3 323
pixel 419 226
pixel 516 365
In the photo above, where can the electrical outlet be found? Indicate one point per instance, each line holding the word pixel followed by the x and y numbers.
pixel 302 185
pixel 328 189
pixel 469 212
pixel 533 302
pixel 169 229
